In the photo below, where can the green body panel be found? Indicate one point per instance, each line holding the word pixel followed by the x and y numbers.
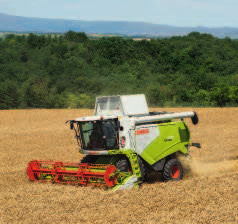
pixel 133 159
pixel 173 137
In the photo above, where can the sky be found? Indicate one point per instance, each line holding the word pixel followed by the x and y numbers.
pixel 209 13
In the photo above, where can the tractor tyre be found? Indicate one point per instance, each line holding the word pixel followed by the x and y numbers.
pixel 123 165
pixel 173 170
pixel 143 170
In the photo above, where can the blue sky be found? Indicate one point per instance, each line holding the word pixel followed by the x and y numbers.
pixel 210 13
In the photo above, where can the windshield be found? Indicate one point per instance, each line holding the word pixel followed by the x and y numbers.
pixel 108 105
pixel 98 135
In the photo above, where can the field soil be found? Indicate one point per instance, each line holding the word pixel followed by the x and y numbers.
pixel 207 194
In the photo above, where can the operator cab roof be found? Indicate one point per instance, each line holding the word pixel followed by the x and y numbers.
pixel 110 107
pixel 126 105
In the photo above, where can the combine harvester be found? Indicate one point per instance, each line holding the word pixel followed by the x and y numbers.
pixel 122 143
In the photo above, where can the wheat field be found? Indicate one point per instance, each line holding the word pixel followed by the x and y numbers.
pixel 207 194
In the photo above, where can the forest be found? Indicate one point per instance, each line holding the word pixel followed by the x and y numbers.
pixel 70 70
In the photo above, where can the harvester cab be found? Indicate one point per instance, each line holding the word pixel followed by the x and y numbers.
pixel 122 143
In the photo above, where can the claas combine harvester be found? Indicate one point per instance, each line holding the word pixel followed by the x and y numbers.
pixel 122 143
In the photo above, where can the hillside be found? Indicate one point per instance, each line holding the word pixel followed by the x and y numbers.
pixel 70 70
pixel 10 23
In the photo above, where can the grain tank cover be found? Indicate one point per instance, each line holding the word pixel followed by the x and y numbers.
pixel 135 105
pixel 125 105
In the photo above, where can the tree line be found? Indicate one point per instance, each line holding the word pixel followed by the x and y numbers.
pixel 70 70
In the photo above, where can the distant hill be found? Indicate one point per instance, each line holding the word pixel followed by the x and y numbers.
pixel 9 23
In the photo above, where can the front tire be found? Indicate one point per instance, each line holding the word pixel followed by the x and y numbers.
pixel 144 171
pixel 173 170
pixel 123 165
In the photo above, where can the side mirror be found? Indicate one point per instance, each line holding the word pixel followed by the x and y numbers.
pixel 121 128
pixel 71 126
pixel 195 119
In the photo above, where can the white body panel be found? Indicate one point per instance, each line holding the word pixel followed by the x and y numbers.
pixel 128 132
pixel 145 134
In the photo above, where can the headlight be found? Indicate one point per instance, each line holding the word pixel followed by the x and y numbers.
pixel 123 142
